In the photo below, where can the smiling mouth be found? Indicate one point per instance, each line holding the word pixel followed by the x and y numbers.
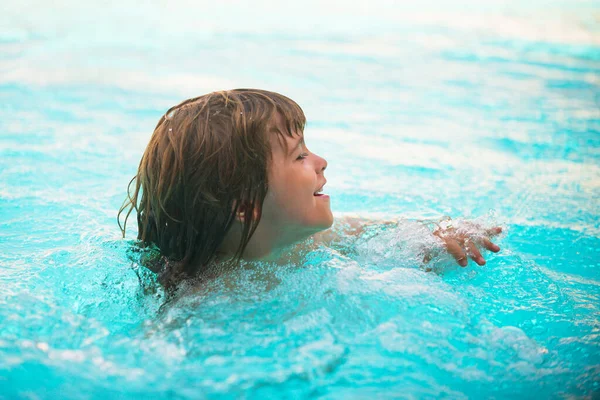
pixel 319 191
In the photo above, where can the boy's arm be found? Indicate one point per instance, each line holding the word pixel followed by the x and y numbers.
pixel 461 239
pixel 350 225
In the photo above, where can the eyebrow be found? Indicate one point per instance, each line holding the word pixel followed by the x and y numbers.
pixel 298 142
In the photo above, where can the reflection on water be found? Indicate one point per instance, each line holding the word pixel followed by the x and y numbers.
pixel 440 108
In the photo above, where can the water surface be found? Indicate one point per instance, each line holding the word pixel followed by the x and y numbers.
pixel 422 111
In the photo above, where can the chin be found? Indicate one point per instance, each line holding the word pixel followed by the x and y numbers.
pixel 327 222
pixel 318 226
pixel 318 222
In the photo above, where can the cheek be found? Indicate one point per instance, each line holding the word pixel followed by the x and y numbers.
pixel 289 197
pixel 293 181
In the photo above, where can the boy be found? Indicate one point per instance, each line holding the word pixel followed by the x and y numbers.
pixel 227 177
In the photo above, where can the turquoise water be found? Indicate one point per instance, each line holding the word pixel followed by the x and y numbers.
pixel 421 111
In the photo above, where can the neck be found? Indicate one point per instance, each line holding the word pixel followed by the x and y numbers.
pixel 265 244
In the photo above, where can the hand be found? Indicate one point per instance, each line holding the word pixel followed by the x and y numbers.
pixel 463 239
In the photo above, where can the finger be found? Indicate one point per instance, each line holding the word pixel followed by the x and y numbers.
pixel 444 232
pixel 489 245
pixel 474 252
pixel 427 257
pixel 456 251
pixel 496 230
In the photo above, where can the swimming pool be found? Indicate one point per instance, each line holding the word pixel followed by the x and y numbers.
pixel 421 111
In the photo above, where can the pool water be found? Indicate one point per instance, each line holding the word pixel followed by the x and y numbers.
pixel 477 111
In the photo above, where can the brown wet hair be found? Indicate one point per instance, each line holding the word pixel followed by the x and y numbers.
pixel 206 161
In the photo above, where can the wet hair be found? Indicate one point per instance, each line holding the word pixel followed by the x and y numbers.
pixel 207 160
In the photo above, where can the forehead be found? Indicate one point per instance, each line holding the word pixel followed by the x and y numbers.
pixel 281 138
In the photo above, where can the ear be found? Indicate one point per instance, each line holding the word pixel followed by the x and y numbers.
pixel 241 214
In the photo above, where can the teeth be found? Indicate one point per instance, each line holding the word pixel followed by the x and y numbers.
pixel 319 190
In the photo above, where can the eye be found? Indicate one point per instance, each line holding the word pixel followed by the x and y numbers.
pixel 302 156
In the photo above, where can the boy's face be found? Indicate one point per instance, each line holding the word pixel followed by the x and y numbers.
pixel 292 205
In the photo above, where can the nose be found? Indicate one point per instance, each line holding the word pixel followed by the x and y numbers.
pixel 321 164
